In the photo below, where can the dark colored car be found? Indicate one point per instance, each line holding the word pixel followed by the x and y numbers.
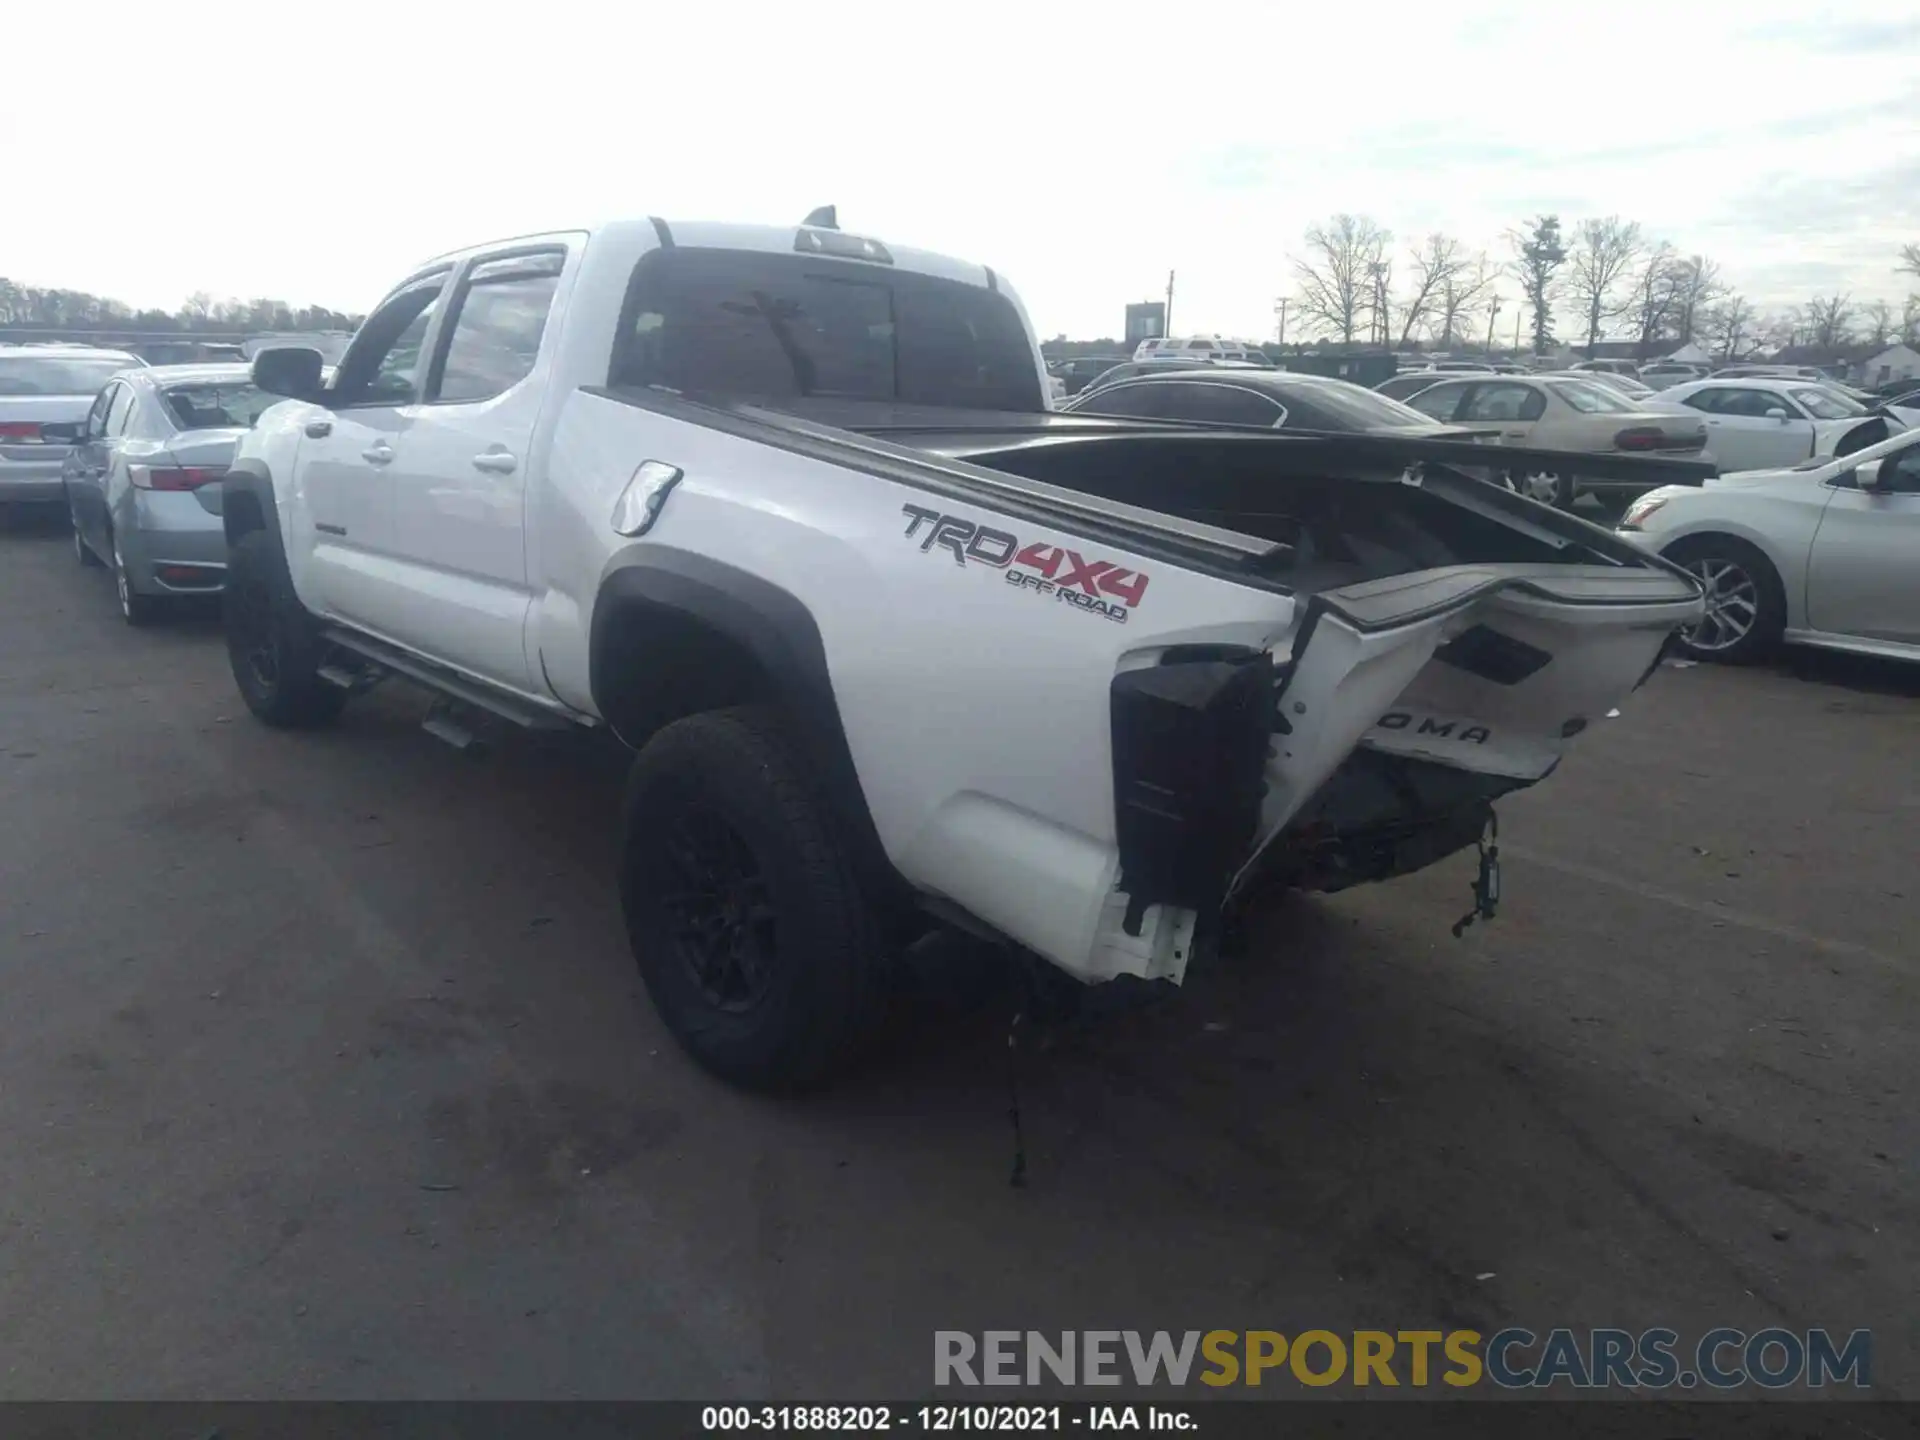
pixel 1133 369
pixel 1270 399
pixel 1082 370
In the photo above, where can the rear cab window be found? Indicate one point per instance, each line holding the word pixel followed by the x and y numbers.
pixel 786 326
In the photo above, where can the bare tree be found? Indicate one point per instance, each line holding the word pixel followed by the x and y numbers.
pixel 1460 296
pixel 1379 302
pixel 1696 283
pixel 1603 253
pixel 1538 253
pixel 1780 330
pixel 1436 262
pixel 1879 319
pixel 197 306
pixel 1909 261
pixel 1728 326
pixel 1655 292
pixel 1910 321
pixel 1336 275
pixel 1827 321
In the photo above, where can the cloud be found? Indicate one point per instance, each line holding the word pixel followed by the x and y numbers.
pixel 1082 154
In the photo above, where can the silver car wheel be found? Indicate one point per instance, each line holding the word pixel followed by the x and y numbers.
pixel 1541 485
pixel 120 585
pixel 1733 604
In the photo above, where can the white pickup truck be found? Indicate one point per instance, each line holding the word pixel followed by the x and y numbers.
pixel 896 648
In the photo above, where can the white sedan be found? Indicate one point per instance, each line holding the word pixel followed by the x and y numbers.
pixel 1826 553
pixel 1760 422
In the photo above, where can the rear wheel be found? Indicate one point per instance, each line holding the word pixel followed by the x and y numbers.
pixel 273 644
pixel 1549 487
pixel 135 608
pixel 1746 603
pixel 744 909
pixel 82 552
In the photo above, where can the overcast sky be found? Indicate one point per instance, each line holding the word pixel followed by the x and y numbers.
pixel 313 152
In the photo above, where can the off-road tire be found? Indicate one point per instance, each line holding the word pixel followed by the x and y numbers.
pixel 1770 619
pixel 823 974
pixel 273 644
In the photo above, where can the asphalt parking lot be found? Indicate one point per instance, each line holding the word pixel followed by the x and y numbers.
pixel 326 1072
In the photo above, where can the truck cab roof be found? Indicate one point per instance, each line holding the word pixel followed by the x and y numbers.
pixel 649 231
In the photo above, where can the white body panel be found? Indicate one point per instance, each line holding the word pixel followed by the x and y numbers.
pixel 976 708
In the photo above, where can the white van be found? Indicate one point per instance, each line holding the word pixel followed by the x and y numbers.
pixel 1198 347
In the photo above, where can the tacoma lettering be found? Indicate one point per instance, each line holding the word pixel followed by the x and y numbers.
pixel 1439 729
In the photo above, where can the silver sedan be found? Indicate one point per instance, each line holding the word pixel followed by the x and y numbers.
pixel 142 479
pixel 1826 553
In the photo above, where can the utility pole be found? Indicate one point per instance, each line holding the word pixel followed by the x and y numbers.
pixel 1280 309
pixel 1492 315
pixel 1516 332
pixel 1167 325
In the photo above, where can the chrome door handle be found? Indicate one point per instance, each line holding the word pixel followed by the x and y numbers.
pixel 319 429
pixel 378 453
pixel 495 462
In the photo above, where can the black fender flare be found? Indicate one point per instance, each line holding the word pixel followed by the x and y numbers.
pixel 252 479
pixel 778 632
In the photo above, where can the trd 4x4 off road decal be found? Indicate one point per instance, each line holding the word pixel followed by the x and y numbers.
pixel 1099 586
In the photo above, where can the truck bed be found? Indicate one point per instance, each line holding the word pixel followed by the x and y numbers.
pixel 1334 509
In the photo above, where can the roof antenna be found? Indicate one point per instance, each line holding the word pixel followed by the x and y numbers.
pixel 824 218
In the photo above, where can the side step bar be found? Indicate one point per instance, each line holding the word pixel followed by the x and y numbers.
pixel 449 683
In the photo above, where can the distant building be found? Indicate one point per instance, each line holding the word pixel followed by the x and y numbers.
pixel 1902 362
pixel 1146 322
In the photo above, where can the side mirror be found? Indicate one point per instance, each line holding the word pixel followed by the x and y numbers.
pixel 1866 475
pixel 63 432
pixel 1776 413
pixel 289 370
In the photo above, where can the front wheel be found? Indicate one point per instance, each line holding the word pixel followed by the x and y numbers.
pixel 273 645
pixel 744 909
pixel 1746 604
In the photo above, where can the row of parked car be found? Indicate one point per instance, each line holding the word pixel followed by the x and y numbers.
pixel 1746 419
pixel 134 453
pixel 1811 534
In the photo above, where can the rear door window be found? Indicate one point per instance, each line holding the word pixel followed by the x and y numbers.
pixel 786 326
pixel 1146 400
pixel 1439 401
pixel 1754 404
pixel 117 410
pixel 1499 403
pixel 1219 404
pixel 97 416
pixel 497 325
